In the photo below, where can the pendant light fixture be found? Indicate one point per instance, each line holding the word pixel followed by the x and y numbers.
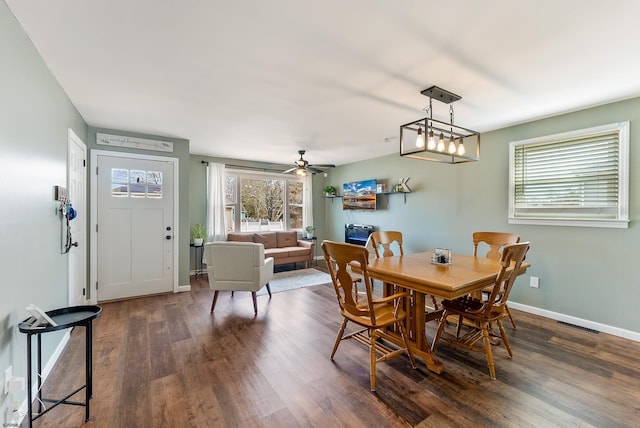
pixel 450 145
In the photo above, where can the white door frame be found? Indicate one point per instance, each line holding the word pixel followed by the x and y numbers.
pixel 72 138
pixel 93 277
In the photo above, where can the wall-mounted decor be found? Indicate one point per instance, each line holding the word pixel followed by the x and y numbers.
pixel 359 195
pixel 133 142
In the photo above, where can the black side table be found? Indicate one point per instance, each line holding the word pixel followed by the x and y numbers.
pixel 197 263
pixel 65 318
pixel 313 239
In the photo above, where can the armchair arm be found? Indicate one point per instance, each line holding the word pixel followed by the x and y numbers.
pixel 266 271
pixel 390 298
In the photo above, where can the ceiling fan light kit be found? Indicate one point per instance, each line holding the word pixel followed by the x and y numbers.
pixel 303 168
pixel 437 141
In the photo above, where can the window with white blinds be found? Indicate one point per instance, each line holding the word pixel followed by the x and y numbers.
pixel 578 178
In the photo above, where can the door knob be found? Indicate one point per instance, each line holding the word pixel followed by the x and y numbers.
pixel 168 227
pixel 168 237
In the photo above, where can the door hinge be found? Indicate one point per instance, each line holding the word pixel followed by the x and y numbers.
pixel 96 170
pixel 96 228
pixel 84 291
pixel 84 162
pixel 96 285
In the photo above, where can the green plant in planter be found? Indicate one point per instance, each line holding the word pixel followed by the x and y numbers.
pixel 310 230
pixel 198 234
pixel 329 190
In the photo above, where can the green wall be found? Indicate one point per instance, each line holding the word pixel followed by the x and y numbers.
pixel 181 152
pixel 585 273
pixel 36 115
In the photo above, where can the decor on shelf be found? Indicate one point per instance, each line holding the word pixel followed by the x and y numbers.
pixel 310 230
pixel 433 140
pixel 198 235
pixel 329 190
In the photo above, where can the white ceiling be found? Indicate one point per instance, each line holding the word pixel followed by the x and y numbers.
pixel 260 79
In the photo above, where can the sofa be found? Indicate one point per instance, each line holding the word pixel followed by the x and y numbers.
pixel 283 246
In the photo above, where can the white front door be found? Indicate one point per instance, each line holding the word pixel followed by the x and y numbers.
pixel 135 226
pixel 76 183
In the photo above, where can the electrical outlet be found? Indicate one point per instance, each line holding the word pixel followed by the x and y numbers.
pixel 534 282
pixel 8 374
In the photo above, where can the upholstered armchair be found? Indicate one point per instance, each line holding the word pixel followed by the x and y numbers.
pixel 237 266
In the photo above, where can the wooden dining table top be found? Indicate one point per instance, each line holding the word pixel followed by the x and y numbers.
pixel 464 275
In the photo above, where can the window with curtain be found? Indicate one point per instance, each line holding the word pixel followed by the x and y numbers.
pixel 578 178
pixel 262 202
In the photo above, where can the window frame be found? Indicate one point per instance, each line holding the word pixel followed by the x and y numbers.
pixel 578 220
pixel 240 174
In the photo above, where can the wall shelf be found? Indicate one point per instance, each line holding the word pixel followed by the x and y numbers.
pixel 332 197
pixel 395 193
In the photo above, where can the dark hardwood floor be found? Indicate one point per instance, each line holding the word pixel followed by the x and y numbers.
pixel 165 361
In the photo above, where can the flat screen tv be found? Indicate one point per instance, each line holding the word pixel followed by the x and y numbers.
pixel 359 195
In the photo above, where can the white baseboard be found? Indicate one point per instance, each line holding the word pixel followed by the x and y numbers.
pixel 22 410
pixel 616 331
pixel 182 288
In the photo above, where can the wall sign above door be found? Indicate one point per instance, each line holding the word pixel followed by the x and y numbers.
pixel 133 142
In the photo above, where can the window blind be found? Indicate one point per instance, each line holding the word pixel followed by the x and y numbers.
pixel 577 177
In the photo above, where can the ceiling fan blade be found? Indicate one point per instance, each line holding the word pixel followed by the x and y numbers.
pixel 312 169
pixel 323 165
pixel 290 170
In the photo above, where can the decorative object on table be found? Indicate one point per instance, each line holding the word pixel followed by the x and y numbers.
pixel 329 190
pixel 434 140
pixel 310 230
pixel 441 256
pixel 303 168
pixel 198 235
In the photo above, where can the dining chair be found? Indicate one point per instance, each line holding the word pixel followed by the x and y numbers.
pixel 373 315
pixel 482 313
pixel 495 241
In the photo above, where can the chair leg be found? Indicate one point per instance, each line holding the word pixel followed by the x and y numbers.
pixel 269 290
pixel 372 356
pixel 503 333
pixel 513 323
pixel 255 302
pixel 215 299
pixel 339 338
pixel 441 324
pixel 403 333
pixel 487 350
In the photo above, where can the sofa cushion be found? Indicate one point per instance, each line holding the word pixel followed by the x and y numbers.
pixel 240 237
pixel 277 253
pixel 268 239
pixel 287 239
pixel 298 251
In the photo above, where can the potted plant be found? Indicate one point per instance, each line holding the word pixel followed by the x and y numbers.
pixel 198 235
pixel 329 191
pixel 310 230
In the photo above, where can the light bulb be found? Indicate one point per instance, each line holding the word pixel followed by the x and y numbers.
pixel 461 150
pixel 420 139
pixel 431 142
pixel 440 147
pixel 452 145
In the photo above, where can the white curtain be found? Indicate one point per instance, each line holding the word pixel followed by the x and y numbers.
pixel 216 229
pixel 307 201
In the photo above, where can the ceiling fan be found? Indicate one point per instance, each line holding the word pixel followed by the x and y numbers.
pixel 302 167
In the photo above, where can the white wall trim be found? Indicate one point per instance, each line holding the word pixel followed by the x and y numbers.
pixel 22 410
pixel 604 328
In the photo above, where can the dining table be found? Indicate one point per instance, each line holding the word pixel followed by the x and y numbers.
pixel 426 282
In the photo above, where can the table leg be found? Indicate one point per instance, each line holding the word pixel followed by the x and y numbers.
pixel 416 329
pixel 39 374
pixel 29 382
pixel 88 368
